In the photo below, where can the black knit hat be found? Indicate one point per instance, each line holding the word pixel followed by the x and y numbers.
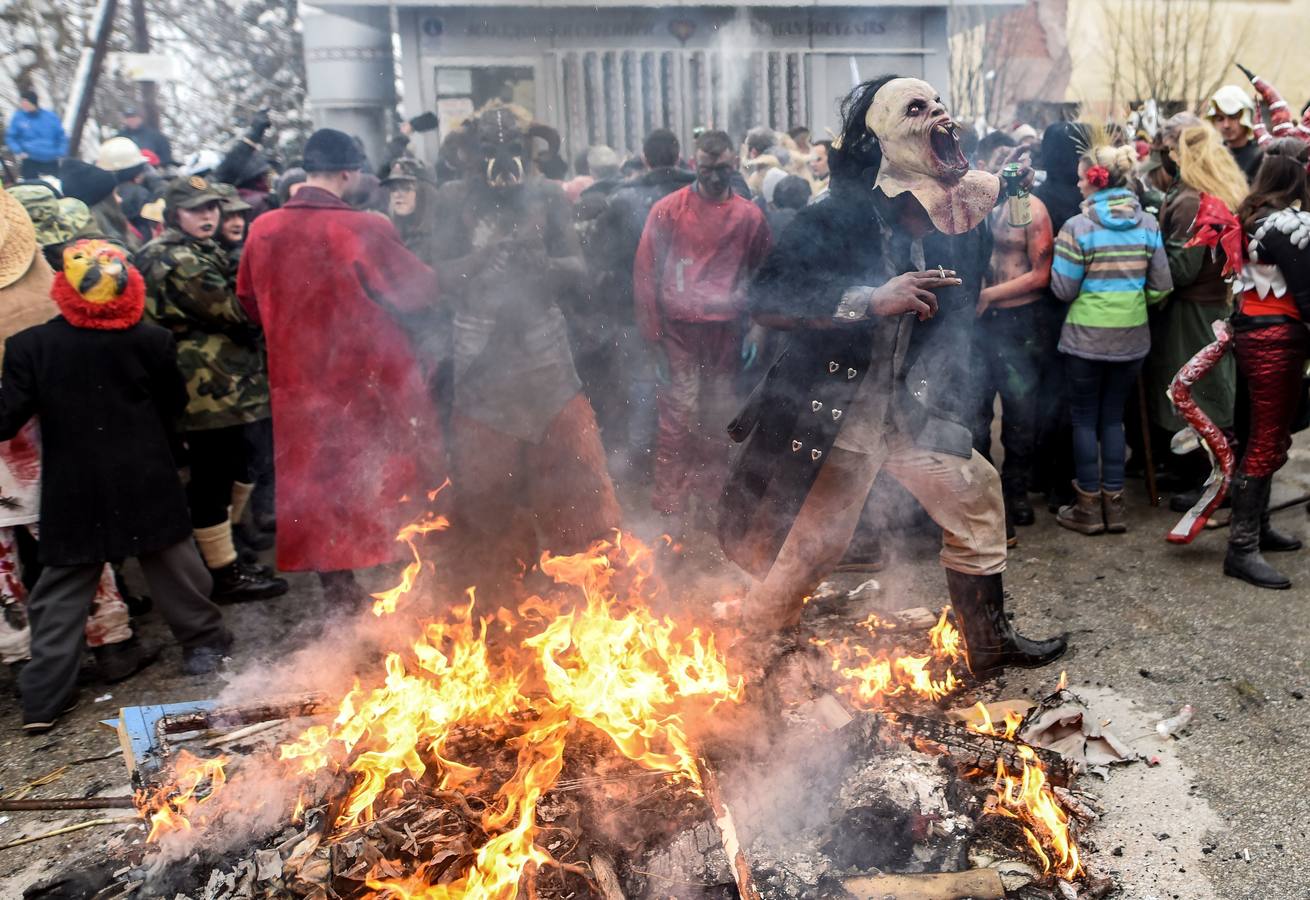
pixel 329 150
pixel 86 182
pixel 30 96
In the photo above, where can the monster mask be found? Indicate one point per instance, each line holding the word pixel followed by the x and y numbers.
pixel 501 147
pixel 921 154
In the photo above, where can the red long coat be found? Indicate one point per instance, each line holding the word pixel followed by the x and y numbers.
pixel 355 433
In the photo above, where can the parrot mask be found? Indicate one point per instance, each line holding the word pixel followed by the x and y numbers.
pixel 98 288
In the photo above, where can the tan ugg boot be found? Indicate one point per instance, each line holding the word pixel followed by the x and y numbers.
pixel 1084 515
pixel 1112 507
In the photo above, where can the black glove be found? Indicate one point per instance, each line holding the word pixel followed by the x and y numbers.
pixel 258 125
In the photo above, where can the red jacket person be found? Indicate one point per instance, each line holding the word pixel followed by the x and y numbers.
pixel 355 433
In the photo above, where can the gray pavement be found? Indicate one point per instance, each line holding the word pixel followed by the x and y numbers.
pixel 1153 626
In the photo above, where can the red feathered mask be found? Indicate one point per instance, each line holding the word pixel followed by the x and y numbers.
pixel 1216 227
pixel 98 288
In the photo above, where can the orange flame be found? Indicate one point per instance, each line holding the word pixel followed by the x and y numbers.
pixel 171 808
pixel 1029 799
pixel 596 659
pixel 873 676
pixel 1013 720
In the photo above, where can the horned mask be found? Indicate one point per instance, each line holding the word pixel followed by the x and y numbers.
pixel 498 146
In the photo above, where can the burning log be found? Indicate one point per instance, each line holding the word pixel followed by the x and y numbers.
pixel 741 869
pixel 971 748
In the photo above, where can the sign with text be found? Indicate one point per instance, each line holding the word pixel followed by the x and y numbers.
pixel 466 31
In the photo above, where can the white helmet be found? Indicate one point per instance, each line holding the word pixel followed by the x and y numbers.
pixel 202 162
pixel 1230 100
pixel 118 154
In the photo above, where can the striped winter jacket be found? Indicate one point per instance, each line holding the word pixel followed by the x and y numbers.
pixel 1110 262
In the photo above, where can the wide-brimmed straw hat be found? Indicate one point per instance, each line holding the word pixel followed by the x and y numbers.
pixel 17 240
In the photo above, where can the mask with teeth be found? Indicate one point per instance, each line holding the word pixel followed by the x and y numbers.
pixel 921 154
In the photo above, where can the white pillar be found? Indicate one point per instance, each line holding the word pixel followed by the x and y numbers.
pixel 349 71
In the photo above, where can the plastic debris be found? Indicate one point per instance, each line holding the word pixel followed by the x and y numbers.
pixel 1171 726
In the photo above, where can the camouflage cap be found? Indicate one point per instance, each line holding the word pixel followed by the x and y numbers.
pixel 189 192
pixel 406 170
pixel 56 219
pixel 231 200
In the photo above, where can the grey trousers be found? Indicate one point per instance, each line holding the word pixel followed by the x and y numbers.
pixel 61 600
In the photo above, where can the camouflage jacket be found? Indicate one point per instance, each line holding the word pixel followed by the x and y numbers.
pixel 190 290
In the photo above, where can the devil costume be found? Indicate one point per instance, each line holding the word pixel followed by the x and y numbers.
pixel 522 433
pixel 1272 290
pixel 853 394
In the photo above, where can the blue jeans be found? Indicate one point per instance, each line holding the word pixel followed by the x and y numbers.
pixel 1097 393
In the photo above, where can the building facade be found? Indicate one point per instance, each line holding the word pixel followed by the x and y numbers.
pixel 610 72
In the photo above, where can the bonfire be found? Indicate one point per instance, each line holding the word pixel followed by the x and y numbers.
pixel 558 748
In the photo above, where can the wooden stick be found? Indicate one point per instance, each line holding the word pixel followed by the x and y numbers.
pixel 973 884
pixel 1152 491
pixel 1276 507
pixel 68 829
pixel 741 868
pixel 67 803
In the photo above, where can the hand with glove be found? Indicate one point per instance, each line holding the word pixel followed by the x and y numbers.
pixel 259 125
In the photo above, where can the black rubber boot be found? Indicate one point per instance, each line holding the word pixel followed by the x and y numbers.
pixel 1250 507
pixel 1274 541
pixel 234 583
pixel 990 641
pixel 118 662
pixel 1019 510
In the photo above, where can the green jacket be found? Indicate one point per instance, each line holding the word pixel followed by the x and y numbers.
pixel 190 290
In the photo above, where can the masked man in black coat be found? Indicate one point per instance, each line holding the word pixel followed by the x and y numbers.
pixel 877 287
pixel 106 388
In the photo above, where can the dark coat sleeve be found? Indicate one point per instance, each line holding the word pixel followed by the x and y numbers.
pixel 1294 262
pixel 18 387
pixel 166 381
pixel 811 265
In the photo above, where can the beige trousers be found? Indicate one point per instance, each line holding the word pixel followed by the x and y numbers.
pixel 963 496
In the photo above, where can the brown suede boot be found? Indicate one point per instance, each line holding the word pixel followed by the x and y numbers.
pixel 1085 515
pixel 1112 506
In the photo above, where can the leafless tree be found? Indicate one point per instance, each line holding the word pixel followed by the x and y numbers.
pixel 1176 52
pixel 245 55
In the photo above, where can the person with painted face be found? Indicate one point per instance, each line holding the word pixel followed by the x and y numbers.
pixel 190 282
pixel 877 287
pixel 700 247
pixel 528 465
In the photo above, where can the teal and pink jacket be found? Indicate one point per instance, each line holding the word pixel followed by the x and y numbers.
pixel 1110 263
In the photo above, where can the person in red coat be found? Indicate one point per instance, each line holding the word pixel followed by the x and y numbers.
pixel 356 436
pixel 699 249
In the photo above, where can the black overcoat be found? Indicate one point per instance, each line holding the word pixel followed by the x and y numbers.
pixel 109 484
pixel 791 421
